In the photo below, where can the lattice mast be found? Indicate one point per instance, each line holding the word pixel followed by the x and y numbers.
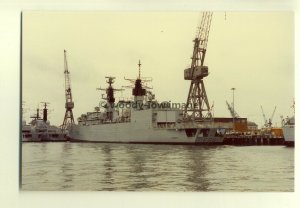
pixel 139 88
pixel 45 111
pixel 69 105
pixel 110 97
pixel 197 102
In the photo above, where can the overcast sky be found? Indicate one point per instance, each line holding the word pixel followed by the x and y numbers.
pixel 253 52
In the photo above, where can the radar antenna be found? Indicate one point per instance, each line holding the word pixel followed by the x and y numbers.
pixel 139 88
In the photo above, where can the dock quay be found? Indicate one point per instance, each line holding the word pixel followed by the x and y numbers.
pixel 247 140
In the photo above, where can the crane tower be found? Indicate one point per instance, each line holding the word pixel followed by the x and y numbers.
pixel 68 119
pixel 197 101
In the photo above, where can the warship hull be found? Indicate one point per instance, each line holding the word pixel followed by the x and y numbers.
pixel 128 133
pixel 142 131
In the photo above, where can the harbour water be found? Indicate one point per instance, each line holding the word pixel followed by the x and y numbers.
pixel 138 167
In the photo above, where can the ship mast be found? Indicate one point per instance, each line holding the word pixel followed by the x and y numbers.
pixel 45 111
pixel 139 88
pixel 197 101
pixel 69 105
pixel 110 98
pixel 37 116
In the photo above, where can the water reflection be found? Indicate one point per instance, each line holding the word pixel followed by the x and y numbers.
pixel 151 167
pixel 66 167
pixel 108 168
pixel 136 163
pixel 132 167
pixel 200 166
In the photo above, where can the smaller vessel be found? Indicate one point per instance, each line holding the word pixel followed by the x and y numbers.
pixel 40 130
pixel 289 132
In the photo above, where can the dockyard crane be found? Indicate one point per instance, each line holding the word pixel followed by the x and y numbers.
pixel 69 105
pixel 293 106
pixel 197 101
pixel 266 122
pixel 271 119
pixel 264 116
pixel 233 113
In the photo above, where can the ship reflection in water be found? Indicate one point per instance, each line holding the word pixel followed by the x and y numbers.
pixel 137 167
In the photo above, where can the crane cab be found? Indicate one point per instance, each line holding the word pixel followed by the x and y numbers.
pixel 69 105
pixel 199 72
